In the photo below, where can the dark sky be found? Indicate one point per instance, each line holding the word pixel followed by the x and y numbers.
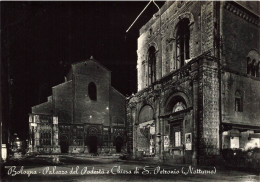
pixel 39 41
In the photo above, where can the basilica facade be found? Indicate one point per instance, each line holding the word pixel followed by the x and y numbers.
pixel 85 114
pixel 198 82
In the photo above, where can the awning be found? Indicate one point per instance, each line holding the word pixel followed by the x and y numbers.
pixel 240 127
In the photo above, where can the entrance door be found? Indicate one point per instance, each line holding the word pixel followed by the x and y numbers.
pixel 64 144
pixel 177 151
pixel 119 144
pixel 92 144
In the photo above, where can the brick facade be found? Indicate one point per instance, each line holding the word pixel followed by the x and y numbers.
pixel 195 104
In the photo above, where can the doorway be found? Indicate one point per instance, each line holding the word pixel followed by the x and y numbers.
pixel 119 144
pixel 64 144
pixel 92 144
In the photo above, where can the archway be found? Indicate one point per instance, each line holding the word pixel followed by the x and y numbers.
pixel 176 110
pixel 119 144
pixel 145 132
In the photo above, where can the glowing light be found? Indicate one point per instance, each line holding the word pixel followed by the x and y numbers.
pixel 4 152
pixel 253 143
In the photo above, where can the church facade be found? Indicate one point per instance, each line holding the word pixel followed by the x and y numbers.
pixel 85 114
pixel 198 82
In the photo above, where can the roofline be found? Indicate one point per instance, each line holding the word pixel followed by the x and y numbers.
pixel 61 84
pixel 41 104
pixel 93 60
pixel 118 92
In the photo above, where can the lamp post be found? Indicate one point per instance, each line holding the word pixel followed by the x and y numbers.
pixel 159 141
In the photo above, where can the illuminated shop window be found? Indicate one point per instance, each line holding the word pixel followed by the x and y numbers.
pixel 234 142
pixel 252 143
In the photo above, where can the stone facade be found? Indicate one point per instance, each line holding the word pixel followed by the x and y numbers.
pixel 84 114
pixel 198 82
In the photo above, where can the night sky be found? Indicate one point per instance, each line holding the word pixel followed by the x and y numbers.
pixel 40 40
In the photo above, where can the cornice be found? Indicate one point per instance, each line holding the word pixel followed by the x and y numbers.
pixel 242 12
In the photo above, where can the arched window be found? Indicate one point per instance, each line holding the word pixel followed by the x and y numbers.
pixel 175 104
pixel 179 106
pixel 238 102
pixel 146 114
pixel 92 91
pixel 151 65
pixel 182 42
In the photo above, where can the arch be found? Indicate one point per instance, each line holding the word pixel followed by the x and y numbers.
pixel 92 91
pixel 92 131
pixel 187 15
pixel 238 93
pixel 153 44
pixel 146 113
pixel 170 101
pixel 175 104
pixel 253 54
